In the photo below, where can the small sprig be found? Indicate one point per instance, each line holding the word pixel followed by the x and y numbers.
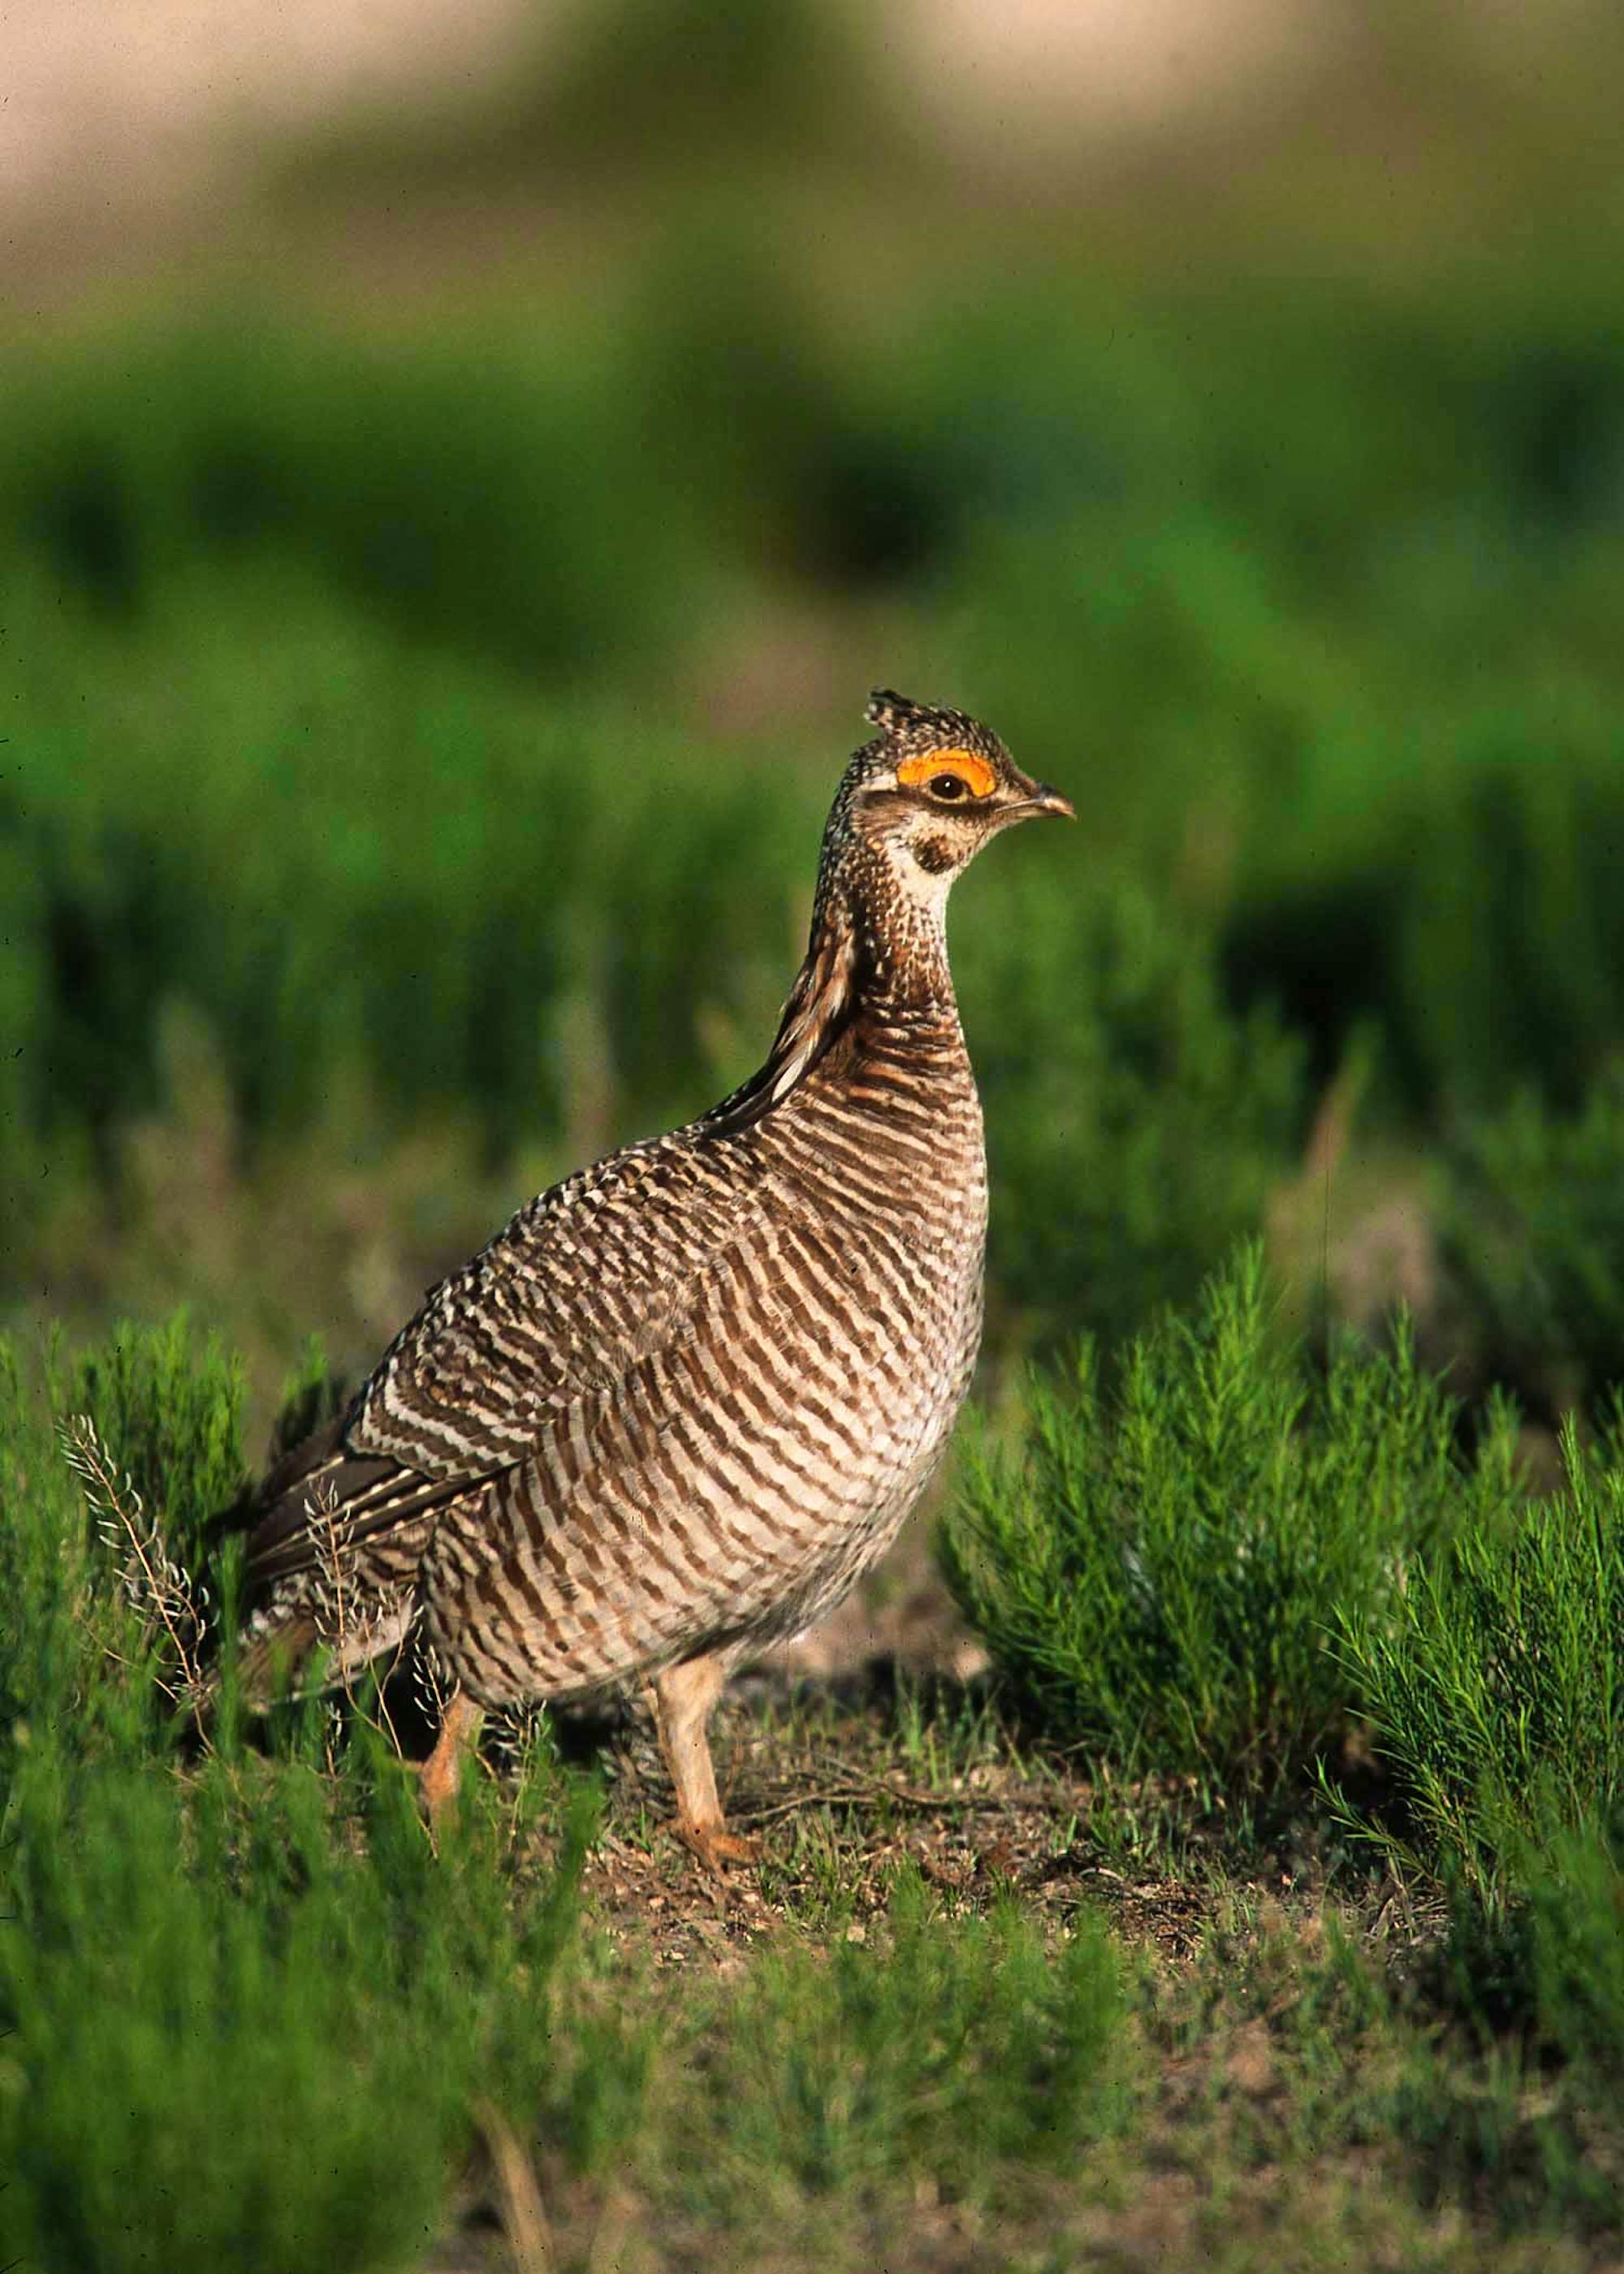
pixel 161 1592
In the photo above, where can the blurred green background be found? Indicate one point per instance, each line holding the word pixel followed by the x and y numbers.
pixel 447 533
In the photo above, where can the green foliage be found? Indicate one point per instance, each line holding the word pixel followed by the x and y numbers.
pixel 1574 1896
pixel 1133 1137
pixel 1494 1684
pixel 1529 2117
pixel 101 1562
pixel 955 2049
pixel 167 1415
pixel 1494 1690
pixel 1344 676
pixel 363 852
pixel 454 883
pixel 1161 1572
pixel 186 1943
pixel 428 856
pixel 434 492
pixel 1532 1226
pixel 44 1556
pixel 176 1959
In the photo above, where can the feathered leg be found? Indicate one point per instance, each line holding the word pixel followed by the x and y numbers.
pixel 441 1774
pixel 683 1698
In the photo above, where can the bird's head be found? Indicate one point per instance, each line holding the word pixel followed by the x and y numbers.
pixel 931 789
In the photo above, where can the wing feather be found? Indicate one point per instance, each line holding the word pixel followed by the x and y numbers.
pixel 583 1282
pixel 586 1280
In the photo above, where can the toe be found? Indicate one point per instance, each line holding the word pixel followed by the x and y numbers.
pixel 716 1846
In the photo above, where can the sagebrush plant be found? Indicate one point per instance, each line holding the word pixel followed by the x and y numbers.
pixel 1160 1569
pixel 1493 1684
pixel 1531 1218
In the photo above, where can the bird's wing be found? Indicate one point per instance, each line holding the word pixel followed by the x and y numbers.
pixel 593 1276
pixel 322 1499
pixel 596 1274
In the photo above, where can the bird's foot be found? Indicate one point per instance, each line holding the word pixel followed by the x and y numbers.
pixel 715 1846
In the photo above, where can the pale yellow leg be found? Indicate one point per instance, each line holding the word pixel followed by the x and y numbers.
pixel 441 1774
pixel 683 1698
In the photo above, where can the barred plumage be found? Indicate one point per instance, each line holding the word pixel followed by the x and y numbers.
pixel 687 1397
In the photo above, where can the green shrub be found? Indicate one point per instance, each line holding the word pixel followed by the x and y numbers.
pixel 1162 1571
pixel 1494 1683
pixel 1493 1687
pixel 44 1563
pixel 1335 693
pixel 109 1466
pixel 1532 1232
pixel 1574 1899
pixel 1529 2118
pixel 192 1934
pixel 475 495
pixel 176 1959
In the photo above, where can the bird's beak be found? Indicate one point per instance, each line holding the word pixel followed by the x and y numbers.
pixel 1040 799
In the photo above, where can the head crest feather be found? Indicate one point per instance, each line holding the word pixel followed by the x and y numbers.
pixel 891 712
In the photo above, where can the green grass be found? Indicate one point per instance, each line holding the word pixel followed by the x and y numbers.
pixel 449 855
pixel 198 1932
pixel 959 2050
pixel 177 1965
pixel 1350 708
pixel 1135 1125
pixel 414 757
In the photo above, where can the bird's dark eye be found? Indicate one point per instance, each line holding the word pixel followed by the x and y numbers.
pixel 948 786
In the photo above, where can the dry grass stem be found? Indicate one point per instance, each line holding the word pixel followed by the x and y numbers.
pixel 157 1588
pixel 518 2194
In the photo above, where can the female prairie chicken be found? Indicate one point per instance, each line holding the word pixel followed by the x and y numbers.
pixel 686 1397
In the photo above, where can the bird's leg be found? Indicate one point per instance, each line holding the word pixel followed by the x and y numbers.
pixel 683 1698
pixel 441 1775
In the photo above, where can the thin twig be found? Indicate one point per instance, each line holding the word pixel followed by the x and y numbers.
pixel 873 1787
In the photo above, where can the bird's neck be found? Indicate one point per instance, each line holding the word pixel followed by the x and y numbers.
pixel 876 959
pixel 897 914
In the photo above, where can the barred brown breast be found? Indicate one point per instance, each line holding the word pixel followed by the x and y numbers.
pixel 687 1397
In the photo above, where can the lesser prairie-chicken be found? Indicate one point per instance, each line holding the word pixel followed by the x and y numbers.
pixel 686 1397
